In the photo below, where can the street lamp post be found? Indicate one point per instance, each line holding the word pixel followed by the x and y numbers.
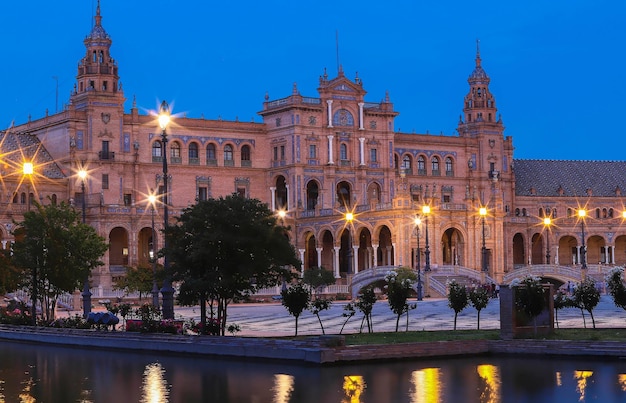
pixel 417 260
pixel 152 252
pixel 27 170
pixel 583 252
pixel 547 222
pixel 426 212
pixel 86 294
pixel 349 217
pixel 483 264
pixel 167 291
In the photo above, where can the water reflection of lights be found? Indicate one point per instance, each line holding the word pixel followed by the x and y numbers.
pixel 621 380
pixel 154 384
pixel 581 382
pixel 283 386
pixel 559 381
pixel 426 386
pixel 493 384
pixel 26 396
pixel 353 387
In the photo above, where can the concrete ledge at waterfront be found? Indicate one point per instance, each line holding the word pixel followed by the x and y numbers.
pixel 311 349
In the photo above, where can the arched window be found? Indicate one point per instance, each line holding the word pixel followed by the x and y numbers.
pixel 421 165
pixel 541 212
pixel 516 212
pixel 157 149
pixel 228 155
pixel 312 193
pixel 610 213
pixel 210 152
pixel 193 152
pixel 435 166
pixel 406 164
pixel 54 199
pixel 245 156
pixel 343 152
pixel 449 167
pixel 343 194
pixel 175 150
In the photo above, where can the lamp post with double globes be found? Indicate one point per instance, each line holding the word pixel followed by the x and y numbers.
pixel 547 221
pixel 582 213
pixel 426 213
pixel 418 222
pixel 349 217
pixel 152 252
pixel 167 291
pixel 27 171
pixel 86 294
pixel 483 264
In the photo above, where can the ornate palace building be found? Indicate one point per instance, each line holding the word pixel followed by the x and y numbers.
pixel 316 158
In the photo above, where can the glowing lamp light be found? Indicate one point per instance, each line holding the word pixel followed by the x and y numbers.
pixel 164 115
pixel 28 168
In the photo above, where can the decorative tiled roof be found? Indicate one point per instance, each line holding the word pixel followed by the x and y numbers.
pixel 17 148
pixel 569 178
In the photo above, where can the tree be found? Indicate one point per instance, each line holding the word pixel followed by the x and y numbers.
pixel 318 305
pixel 616 287
pixel 457 298
pixel 9 274
pixel 365 304
pixel 399 286
pixel 55 252
pixel 222 250
pixel 586 296
pixel 561 300
pixel 478 298
pixel 296 299
pixel 529 297
pixel 318 277
pixel 140 279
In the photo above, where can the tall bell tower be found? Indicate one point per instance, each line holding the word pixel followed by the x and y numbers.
pixel 97 71
pixel 98 97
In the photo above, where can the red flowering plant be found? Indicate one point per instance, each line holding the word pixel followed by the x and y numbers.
pixel 212 327
pixel 16 314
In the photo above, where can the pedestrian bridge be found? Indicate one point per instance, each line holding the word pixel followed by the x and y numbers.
pixel 561 274
pixel 434 281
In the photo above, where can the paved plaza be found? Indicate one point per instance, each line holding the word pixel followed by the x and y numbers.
pixel 272 319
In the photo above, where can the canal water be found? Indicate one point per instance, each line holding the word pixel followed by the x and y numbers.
pixel 35 373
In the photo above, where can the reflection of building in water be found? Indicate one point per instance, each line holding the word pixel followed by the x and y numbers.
pixel 426 386
pixel 283 386
pixel 581 382
pixel 154 388
pixel 353 387
pixel 490 374
pixel 621 379
pixel 558 379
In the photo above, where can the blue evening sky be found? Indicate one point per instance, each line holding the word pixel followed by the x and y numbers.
pixel 557 67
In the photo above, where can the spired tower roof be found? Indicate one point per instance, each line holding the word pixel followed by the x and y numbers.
pixel 97 32
pixel 478 76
